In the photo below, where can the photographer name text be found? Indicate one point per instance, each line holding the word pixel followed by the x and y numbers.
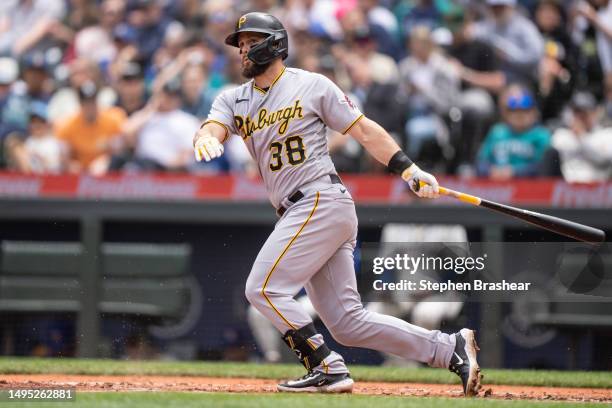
pixel 425 285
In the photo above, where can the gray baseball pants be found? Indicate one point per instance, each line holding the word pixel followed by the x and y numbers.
pixel 312 247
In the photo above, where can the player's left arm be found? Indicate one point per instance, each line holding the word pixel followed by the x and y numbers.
pixel 208 140
pixel 383 147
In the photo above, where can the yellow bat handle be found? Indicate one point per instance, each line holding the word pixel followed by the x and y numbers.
pixel 466 198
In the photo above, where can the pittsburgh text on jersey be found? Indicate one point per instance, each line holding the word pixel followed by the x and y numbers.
pixel 284 116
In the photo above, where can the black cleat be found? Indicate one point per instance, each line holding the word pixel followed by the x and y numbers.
pixel 464 364
pixel 316 381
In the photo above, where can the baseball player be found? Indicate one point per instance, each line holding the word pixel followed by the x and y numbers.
pixel 282 114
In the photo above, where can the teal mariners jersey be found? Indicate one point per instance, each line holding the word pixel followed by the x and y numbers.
pixel 284 127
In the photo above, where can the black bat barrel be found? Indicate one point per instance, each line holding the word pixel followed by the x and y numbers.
pixel 560 226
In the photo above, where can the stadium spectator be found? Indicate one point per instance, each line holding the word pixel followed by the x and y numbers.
pixel 317 17
pixel 421 13
pixel 474 60
pixel 381 16
pixel 220 20
pixel 124 38
pixel 555 78
pixel 345 151
pixel 515 146
pixel 147 19
pixel 13 105
pixel 362 45
pixel 131 91
pixel 38 150
pixel 515 39
pixel 427 73
pixel 481 78
pixel 12 110
pixel 599 14
pixel 174 42
pixel 381 102
pixel 197 99
pixel 34 85
pixel 97 42
pixel 38 84
pixel 584 147
pixel 231 75
pixel 608 99
pixel 308 49
pixel 65 101
pixel 161 134
pixel 589 75
pixel 131 48
pixel 81 14
pixel 190 66
pixel 28 25
pixel 365 36
pixel 90 132
pixel 432 87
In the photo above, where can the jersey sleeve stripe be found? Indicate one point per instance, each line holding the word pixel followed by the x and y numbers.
pixel 263 289
pixel 352 124
pixel 227 132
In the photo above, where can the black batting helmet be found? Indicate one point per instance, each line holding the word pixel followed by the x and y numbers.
pixel 274 46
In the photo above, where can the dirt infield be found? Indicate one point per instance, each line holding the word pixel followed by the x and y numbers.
pixel 206 384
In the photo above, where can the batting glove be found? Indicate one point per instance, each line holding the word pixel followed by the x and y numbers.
pixel 207 147
pixel 421 183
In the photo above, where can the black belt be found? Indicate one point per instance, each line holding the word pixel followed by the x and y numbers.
pixel 298 195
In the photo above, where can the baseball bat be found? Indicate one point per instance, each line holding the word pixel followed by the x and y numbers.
pixel 560 226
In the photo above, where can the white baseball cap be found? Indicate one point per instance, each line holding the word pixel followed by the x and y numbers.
pixel 501 2
pixel 9 70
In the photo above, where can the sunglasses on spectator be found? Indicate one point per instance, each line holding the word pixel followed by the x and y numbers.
pixel 520 102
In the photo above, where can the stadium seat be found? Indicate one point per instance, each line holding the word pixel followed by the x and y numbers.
pixel 144 280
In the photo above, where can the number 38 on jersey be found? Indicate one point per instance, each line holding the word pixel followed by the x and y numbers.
pixel 290 151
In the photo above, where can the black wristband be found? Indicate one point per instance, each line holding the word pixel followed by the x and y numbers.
pixel 399 162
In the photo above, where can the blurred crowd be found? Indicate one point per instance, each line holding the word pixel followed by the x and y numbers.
pixel 490 88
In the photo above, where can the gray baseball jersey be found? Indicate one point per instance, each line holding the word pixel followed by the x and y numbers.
pixel 312 243
pixel 284 127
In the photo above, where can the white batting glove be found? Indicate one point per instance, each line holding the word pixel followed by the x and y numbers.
pixel 207 147
pixel 421 183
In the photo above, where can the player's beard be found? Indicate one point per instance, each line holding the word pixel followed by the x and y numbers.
pixel 252 70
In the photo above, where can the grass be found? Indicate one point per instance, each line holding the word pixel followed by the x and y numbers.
pixel 11 365
pixel 221 400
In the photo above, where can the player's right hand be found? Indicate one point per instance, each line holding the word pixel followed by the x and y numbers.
pixel 207 147
pixel 421 183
